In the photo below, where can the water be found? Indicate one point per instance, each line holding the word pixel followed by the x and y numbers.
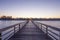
pixel 6 23
pixel 52 23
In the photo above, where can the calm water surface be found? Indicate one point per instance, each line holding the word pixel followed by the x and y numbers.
pixel 6 23
pixel 52 23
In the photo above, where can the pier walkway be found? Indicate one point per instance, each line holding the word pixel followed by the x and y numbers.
pixel 29 32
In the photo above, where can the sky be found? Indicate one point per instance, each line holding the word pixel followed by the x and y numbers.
pixel 30 8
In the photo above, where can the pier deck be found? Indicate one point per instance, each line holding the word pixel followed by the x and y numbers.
pixel 30 32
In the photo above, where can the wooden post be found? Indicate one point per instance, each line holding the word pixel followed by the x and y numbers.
pixel 19 27
pixel 14 29
pixel 0 36
pixel 46 31
pixel 41 26
pixel 59 35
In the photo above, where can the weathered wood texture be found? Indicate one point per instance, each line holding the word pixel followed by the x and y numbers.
pixel 30 32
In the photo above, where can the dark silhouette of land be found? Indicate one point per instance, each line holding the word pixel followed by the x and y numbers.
pixel 41 19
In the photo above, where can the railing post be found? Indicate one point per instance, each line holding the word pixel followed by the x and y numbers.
pixel 19 27
pixel 14 30
pixel 46 31
pixel 0 36
pixel 59 35
pixel 41 26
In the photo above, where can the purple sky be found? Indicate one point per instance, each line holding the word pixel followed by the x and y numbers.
pixel 30 8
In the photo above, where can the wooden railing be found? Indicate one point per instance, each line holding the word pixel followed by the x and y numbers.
pixel 8 32
pixel 50 31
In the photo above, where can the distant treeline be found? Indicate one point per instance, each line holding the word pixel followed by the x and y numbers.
pixel 5 17
pixel 13 19
pixel 10 18
pixel 49 19
pixel 38 19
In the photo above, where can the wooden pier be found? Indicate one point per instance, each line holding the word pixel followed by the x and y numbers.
pixel 29 30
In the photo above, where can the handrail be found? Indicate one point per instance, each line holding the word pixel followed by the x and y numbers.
pixel 50 26
pixel 11 30
pixel 47 30
pixel 3 29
